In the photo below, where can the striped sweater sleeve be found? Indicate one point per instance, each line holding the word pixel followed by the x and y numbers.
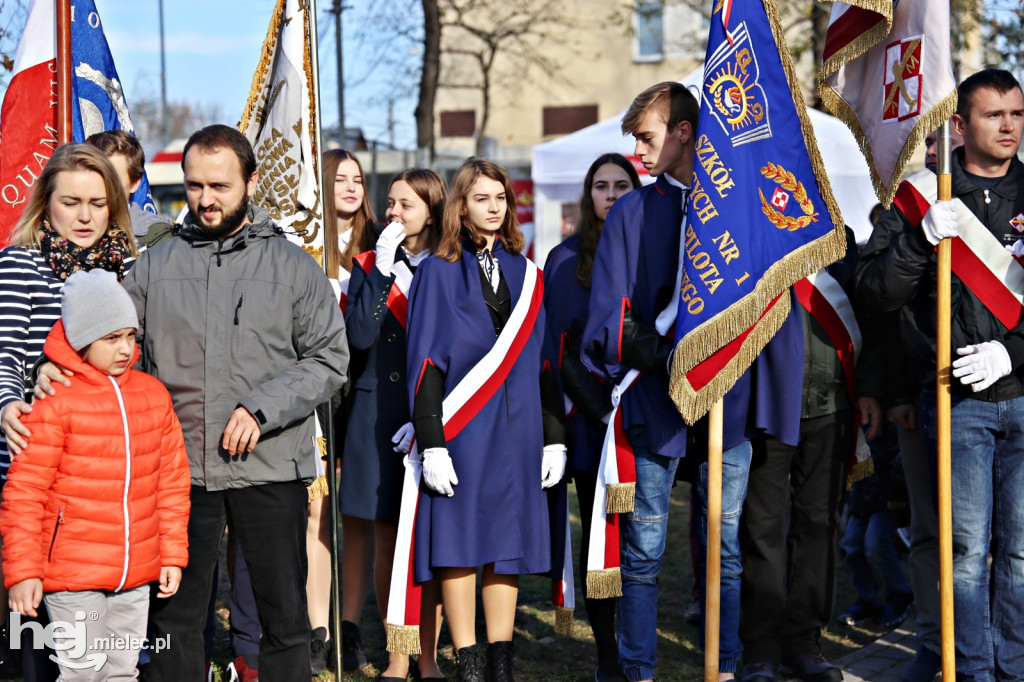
pixel 29 306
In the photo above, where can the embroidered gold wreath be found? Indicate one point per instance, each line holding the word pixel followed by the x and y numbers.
pixel 787 181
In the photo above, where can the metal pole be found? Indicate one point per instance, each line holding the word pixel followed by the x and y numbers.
pixel 163 81
pixel 329 435
pixel 338 8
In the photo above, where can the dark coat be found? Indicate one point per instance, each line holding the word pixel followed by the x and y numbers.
pixel 371 471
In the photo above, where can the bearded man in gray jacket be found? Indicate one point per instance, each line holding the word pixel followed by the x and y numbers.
pixel 244 330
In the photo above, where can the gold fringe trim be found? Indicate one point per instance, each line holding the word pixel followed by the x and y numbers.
pixel 263 66
pixel 620 498
pixel 864 41
pixel 563 621
pixel 318 488
pixel 604 584
pixel 321 445
pixel 720 330
pixel 403 639
pixel 860 471
pixel 886 188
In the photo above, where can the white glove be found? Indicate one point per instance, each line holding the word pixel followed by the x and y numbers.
pixel 552 466
pixel 387 244
pixel 940 222
pixel 982 365
pixel 403 438
pixel 1017 250
pixel 438 472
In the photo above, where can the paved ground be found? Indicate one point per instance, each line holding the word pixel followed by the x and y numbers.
pixel 882 660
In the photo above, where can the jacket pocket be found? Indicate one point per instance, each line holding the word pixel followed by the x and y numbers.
pixel 56 532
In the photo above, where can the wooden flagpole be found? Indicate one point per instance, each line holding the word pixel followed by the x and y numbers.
pixel 329 435
pixel 712 590
pixel 63 71
pixel 943 403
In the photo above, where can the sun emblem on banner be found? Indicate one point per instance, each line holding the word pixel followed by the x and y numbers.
pixel 729 91
pixel 788 186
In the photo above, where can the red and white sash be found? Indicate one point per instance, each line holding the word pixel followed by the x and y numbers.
pixel 616 481
pixel 978 259
pixel 340 287
pixel 824 299
pixel 460 406
pixel 398 297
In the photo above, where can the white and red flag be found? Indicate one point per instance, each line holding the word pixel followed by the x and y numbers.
pixel 28 120
pixel 887 73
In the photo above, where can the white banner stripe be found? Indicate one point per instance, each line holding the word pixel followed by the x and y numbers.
pixel 827 285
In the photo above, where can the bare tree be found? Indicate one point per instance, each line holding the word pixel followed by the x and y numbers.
pixel 430 73
pixel 479 32
pixel 13 14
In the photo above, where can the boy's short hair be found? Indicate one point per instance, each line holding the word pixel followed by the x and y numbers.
pixel 113 142
pixel 675 102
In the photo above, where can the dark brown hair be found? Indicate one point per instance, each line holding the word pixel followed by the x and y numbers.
pixel 219 136
pixel 362 222
pixel 430 188
pixel 673 100
pixel 113 142
pixel 1000 80
pixel 589 226
pixel 454 223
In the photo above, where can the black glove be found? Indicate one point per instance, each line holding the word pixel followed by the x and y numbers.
pixel 588 394
pixel 643 348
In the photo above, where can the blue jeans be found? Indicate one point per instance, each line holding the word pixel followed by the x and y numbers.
pixel 735 472
pixel 643 545
pixel 868 544
pixel 987 482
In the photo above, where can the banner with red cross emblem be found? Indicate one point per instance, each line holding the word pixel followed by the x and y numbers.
pixel 887 73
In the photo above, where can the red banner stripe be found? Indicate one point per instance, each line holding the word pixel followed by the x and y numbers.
pixel 853 23
pixel 491 385
pixel 821 310
pixel 611 541
pixel 625 462
pixel 413 592
pixel 702 375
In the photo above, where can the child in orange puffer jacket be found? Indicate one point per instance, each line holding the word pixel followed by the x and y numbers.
pixel 96 507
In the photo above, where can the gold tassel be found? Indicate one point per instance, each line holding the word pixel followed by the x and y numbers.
pixel 321 443
pixel 620 498
pixel 604 584
pixel 563 620
pixel 318 488
pixel 860 471
pixel 403 639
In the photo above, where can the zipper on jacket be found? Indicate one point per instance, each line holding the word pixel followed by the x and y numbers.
pixel 127 480
pixel 238 308
pixel 988 199
pixel 220 245
pixel 56 527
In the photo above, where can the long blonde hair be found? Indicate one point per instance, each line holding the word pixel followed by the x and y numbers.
pixel 74 156
pixel 363 236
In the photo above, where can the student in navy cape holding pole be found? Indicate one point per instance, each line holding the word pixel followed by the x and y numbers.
pixel 568 272
pixel 483 503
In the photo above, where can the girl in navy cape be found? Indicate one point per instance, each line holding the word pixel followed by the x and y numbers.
pixel 567 274
pixel 482 502
pixel 380 431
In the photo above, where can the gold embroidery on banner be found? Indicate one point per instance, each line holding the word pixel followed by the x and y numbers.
pixel 787 180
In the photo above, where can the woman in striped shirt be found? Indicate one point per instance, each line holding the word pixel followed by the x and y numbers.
pixel 77 219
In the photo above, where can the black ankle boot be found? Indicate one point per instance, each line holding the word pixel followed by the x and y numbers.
pixel 499 662
pixel 471 660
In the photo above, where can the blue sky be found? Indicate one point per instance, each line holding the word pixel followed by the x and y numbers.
pixel 212 49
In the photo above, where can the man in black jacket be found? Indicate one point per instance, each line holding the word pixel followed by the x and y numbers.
pixel 897 272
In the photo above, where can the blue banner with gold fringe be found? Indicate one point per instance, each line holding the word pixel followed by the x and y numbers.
pixel 761 214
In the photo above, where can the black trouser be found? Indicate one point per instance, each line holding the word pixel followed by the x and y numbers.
pixel 789 579
pixel 600 612
pixel 270 523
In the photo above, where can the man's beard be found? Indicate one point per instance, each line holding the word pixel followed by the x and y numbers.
pixel 229 222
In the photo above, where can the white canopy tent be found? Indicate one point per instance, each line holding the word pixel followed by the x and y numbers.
pixel 560 166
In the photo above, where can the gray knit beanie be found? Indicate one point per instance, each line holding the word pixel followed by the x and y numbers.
pixel 94 305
